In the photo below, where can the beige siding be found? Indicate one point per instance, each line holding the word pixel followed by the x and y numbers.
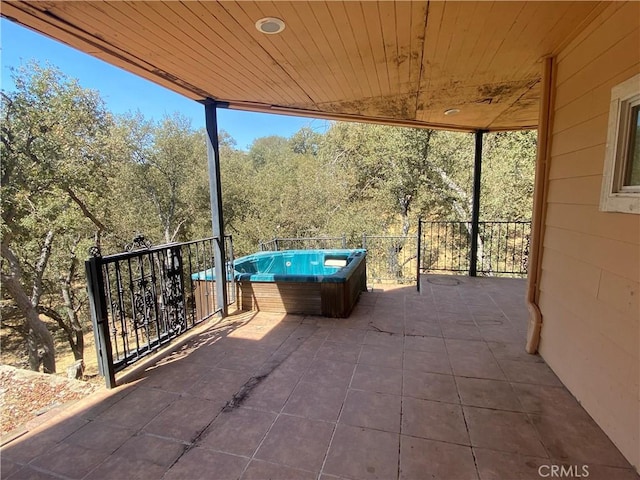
pixel 590 284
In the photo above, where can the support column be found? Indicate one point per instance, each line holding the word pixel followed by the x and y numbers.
pixel 215 193
pixel 475 213
pixel 100 319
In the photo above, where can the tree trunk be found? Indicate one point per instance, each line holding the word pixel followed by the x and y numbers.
pixel 75 334
pixel 32 350
pixel 464 214
pixel 38 332
pixel 41 266
pixel 405 204
pixel 76 337
pixel 484 266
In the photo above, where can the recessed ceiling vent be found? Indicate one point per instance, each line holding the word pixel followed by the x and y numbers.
pixel 270 25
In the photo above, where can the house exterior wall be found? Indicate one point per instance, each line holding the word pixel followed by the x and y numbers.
pixel 590 285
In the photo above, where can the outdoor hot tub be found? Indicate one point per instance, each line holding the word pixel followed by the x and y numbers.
pixel 311 282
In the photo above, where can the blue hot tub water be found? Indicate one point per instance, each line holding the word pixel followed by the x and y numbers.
pixel 293 266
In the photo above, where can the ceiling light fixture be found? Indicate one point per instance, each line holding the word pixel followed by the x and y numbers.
pixel 270 25
pixel 452 111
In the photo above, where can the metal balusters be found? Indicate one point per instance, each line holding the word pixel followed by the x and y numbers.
pixel 141 299
pixel 447 247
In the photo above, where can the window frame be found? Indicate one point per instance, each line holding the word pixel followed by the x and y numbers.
pixel 615 196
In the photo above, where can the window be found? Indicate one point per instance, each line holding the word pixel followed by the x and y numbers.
pixel 632 170
pixel 621 182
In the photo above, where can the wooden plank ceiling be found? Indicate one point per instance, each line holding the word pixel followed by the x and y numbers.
pixel 390 62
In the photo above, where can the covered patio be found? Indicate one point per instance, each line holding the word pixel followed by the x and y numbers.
pixel 413 385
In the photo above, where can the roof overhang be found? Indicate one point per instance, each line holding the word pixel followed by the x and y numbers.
pixel 399 63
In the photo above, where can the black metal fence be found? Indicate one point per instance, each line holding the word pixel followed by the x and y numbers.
pixel 144 298
pixel 445 246
pixel 503 247
pixel 389 258
pixel 303 243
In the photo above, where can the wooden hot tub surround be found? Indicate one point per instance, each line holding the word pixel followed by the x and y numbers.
pixel 333 295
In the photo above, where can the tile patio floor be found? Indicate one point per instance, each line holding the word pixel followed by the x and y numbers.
pixel 431 386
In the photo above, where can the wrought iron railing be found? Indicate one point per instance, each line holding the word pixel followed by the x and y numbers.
pixel 303 243
pixel 144 298
pixel 389 258
pixel 445 246
pixel 503 247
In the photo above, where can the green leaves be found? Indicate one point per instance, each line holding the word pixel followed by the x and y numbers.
pixel 369 178
pixel 53 140
pixel 508 175
pixel 162 169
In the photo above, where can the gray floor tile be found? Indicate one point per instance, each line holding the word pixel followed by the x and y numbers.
pixel 434 421
pixel 504 431
pixel 201 463
pixel 361 453
pixel 480 392
pixel 430 386
pixel 377 379
pixel 420 459
pixel 238 431
pixel 296 442
pixel 372 410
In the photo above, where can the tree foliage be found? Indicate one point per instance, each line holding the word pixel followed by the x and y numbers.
pixel 162 172
pixel 53 145
pixel 74 176
pixel 361 178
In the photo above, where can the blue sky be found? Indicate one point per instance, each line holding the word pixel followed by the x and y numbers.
pixel 124 92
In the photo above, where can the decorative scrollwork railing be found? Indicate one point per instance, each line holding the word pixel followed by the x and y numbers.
pixel 145 297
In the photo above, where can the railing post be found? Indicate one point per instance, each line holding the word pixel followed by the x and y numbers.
pixel 344 240
pixel 215 192
pixel 475 214
pixel 364 240
pixel 418 256
pixel 275 242
pixel 100 319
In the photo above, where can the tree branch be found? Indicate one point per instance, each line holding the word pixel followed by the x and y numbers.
pixel 85 210
pixel 463 214
pixel 41 266
pixel 175 232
